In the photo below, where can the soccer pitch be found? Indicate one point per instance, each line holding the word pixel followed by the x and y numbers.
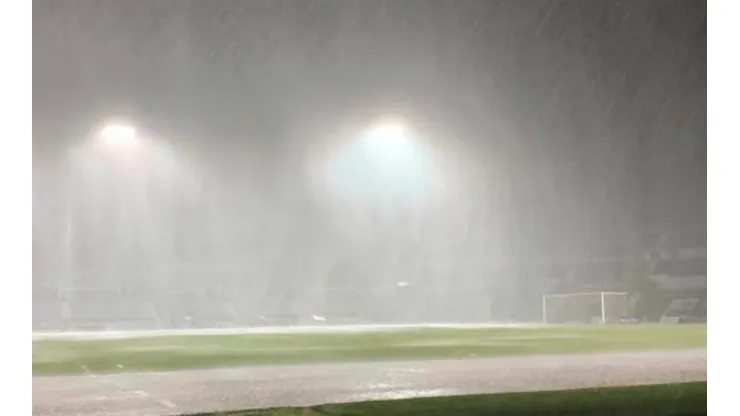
pixel 160 351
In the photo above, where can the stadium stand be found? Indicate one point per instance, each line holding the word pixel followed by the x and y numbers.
pixel 185 300
pixel 679 308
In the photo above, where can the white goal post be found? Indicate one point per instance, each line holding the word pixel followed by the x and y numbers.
pixel 580 308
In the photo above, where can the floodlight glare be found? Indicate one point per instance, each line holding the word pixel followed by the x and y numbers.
pixel 119 137
pixel 388 138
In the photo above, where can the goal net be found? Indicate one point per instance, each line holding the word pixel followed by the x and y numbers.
pixel 585 308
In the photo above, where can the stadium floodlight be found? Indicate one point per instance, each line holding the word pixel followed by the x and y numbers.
pixel 580 308
pixel 119 137
pixel 388 139
pixel 385 162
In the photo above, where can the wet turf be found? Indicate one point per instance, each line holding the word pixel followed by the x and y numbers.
pixel 205 351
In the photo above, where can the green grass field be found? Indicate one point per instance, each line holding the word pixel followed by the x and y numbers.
pixel 657 400
pixel 169 352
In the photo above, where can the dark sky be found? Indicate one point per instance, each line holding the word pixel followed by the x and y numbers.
pixel 589 115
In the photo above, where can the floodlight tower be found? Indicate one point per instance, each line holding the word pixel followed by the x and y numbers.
pixel 120 156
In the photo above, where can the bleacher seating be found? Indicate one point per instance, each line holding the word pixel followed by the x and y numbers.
pixel 685 305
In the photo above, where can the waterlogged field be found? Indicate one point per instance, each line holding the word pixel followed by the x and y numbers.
pixel 138 352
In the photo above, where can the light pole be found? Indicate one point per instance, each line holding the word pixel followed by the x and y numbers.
pixel 117 154
pixel 380 175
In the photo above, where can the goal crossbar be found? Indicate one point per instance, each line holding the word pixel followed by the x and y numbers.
pixel 556 295
pixel 601 296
